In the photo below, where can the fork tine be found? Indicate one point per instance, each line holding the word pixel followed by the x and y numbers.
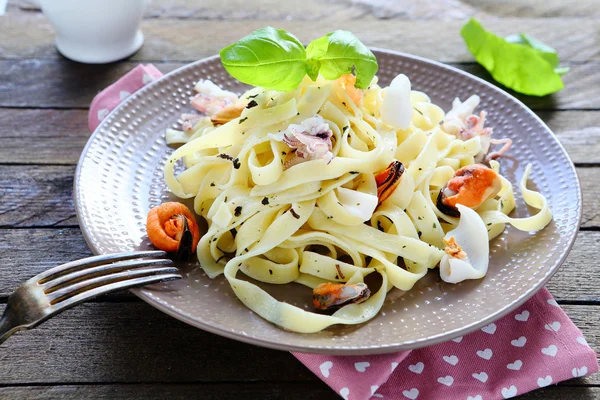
pixel 55 284
pixel 94 261
pixel 112 287
pixel 97 282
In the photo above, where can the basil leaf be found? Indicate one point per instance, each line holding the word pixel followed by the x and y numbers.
pixel 544 50
pixel 270 58
pixel 338 53
pixel 524 65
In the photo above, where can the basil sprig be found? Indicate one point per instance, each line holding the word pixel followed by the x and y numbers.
pixel 276 60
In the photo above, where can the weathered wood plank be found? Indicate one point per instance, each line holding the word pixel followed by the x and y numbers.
pixel 59 83
pixel 222 391
pixel 267 391
pixel 49 136
pixel 537 9
pixel 132 342
pixel 41 195
pixel 69 85
pixel 27 252
pixel 29 35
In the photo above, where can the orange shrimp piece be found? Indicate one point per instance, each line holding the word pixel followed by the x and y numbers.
pixel 168 224
pixel 348 81
pixel 472 185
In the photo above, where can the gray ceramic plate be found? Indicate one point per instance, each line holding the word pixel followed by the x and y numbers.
pixel 119 178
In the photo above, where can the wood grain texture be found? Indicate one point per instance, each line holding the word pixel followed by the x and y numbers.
pixel 133 342
pixel 27 252
pixel 51 136
pixel 222 391
pixel 29 35
pixel 33 196
pixel 68 85
pixel 235 391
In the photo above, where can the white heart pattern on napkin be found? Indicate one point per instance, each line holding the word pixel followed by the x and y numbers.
pixel 482 377
pixel 325 367
pixel 446 380
pixel 458 339
pixel 394 366
pixel 411 394
pixel 344 393
pixel 416 368
pixel 478 397
pixel 555 326
pixel 581 340
pixel 485 354
pixel 123 94
pixel 577 372
pixel 543 382
pixel 550 350
pixel 103 113
pixel 515 366
pixel 147 79
pixel 520 342
pixel 361 366
pixel 524 316
pixel 553 302
pixel 453 360
pixel 509 392
pixel 491 328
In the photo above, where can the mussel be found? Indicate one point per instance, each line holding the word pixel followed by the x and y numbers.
pixel 328 296
pixel 388 180
pixel 471 186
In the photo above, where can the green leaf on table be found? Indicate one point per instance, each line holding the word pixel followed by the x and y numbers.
pixel 270 58
pixel 523 64
pixel 339 53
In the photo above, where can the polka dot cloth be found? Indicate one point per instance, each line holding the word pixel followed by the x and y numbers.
pixel 533 347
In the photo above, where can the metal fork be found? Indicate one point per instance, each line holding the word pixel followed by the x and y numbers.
pixel 67 285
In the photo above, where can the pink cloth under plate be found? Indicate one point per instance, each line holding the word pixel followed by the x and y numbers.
pixel 535 346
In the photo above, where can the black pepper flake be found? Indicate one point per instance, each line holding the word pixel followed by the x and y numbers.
pixel 253 96
pixel 420 169
pixel 345 128
pixel 236 163
pixel 283 153
pixel 434 226
pixel 337 277
pixel 270 272
pixel 265 201
pixel 243 120
pixel 344 103
pixel 419 218
pixel 419 233
pixel 379 226
pixel 252 103
pixel 404 246
pixel 330 217
pixel 225 156
pixel 294 213
pixel 225 199
pixel 298 114
pixel 212 184
pixel 246 250
pixel 238 211
pixel 354 172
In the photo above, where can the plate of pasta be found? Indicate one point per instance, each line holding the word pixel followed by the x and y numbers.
pixel 329 217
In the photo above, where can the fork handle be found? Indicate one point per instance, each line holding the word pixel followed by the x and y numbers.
pixel 8 326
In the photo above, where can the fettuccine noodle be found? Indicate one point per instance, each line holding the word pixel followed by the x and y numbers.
pixel 281 219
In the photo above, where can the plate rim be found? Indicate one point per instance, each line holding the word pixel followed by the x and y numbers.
pixel 344 349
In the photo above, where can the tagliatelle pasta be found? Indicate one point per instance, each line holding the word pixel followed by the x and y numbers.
pixel 293 188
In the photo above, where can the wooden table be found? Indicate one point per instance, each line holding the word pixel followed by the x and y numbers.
pixel 119 347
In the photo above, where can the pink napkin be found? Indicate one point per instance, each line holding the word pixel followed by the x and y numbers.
pixel 533 347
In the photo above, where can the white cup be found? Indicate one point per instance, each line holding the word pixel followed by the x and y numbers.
pixel 96 31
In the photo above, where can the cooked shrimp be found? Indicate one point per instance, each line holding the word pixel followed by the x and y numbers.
pixel 171 227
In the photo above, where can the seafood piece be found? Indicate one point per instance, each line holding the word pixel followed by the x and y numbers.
pixel 311 140
pixel 211 98
pixel 189 121
pixel 396 108
pixel 348 81
pixel 462 123
pixel 327 296
pixel 171 227
pixel 471 186
pixel 228 113
pixel 467 249
pixel 388 180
